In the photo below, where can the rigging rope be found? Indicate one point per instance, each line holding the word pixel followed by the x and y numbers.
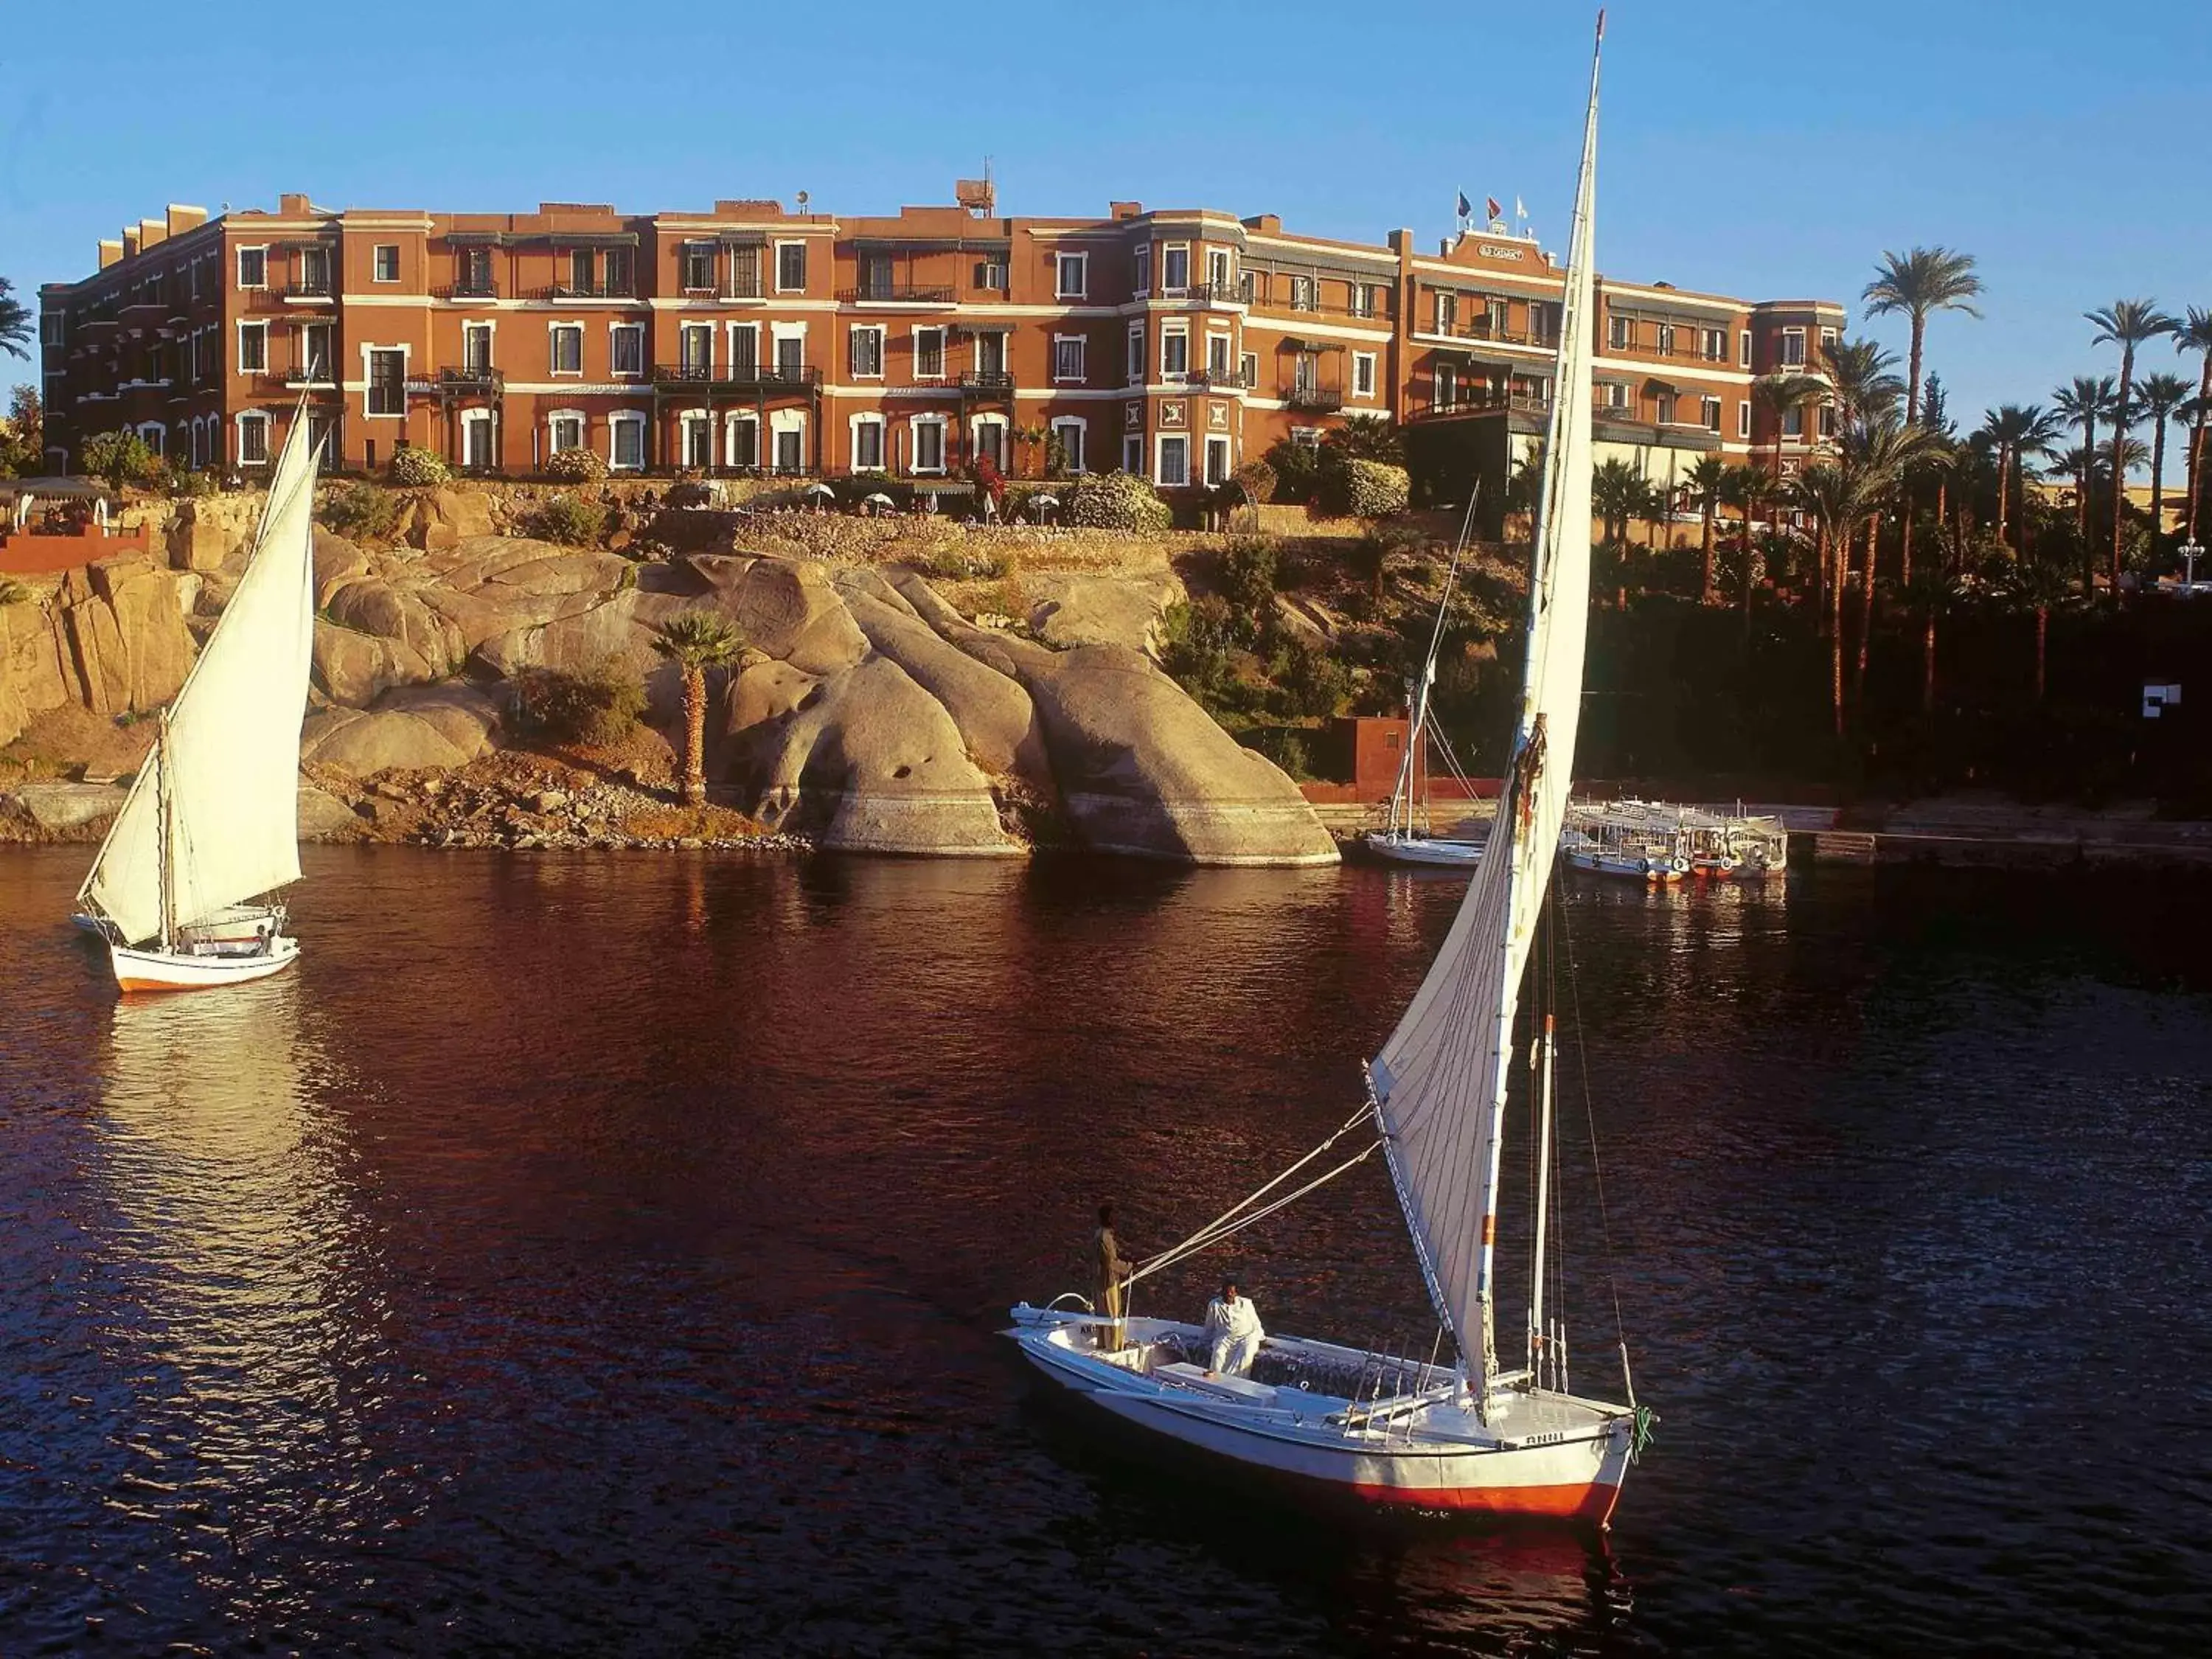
pixel 1590 1115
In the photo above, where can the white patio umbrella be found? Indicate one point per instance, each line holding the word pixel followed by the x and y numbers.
pixel 820 489
pixel 881 500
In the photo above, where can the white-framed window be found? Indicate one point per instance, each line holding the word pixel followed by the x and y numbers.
pixel 1620 333
pixel 254 268
pixel 1174 268
pixel 1829 339
pixel 695 263
pixel 929 353
pixel 317 357
pixel 1133 453
pixel 991 274
pixel 50 325
pixel 790 448
pixel 1134 369
pixel 696 431
pixel 1793 347
pixel 564 429
pixel 1793 420
pixel 1217 461
pixel 790 348
pixel 791 267
pixel 154 437
pixel 1174 469
pixel 1613 395
pixel 476 347
pixel 1301 294
pixel 1447 310
pixel 1219 353
pixel 1711 408
pixel 567 348
pixel 1140 270
pixel 991 352
pixel 1447 382
pixel 867 443
pixel 479 452
pixel 1827 420
pixel 626 441
pixel 1072 276
pixel 694 349
pixel 867 349
pixel 744 349
pixel 626 349
pixel 252 348
pixel 199 443
pixel 387 381
pixel 987 440
pixel 1071 430
pixel 741 439
pixel 1362 375
pixel 1249 364
pixel 1067 351
pixel 1716 344
pixel 929 443
pixel 384 262
pixel 253 439
pixel 1666 339
pixel 1174 350
pixel 1666 401
pixel 1743 419
pixel 1743 347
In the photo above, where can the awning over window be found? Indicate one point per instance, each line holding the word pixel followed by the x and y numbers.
pixel 577 239
pixel 740 238
pixel 1000 245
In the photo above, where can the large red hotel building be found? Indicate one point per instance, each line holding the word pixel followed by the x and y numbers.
pixel 1176 343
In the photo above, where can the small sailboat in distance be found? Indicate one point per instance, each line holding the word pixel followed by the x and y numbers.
pixel 1460 1431
pixel 1398 841
pixel 210 826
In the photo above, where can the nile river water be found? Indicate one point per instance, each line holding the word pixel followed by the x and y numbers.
pixel 598 1255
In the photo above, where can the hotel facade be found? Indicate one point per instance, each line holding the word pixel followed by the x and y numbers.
pixel 1175 343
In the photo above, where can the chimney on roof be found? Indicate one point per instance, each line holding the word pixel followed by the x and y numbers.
pixel 109 253
pixel 129 241
pixel 1270 223
pixel 182 218
pixel 1126 209
pixel 1443 247
pixel 151 231
pixel 295 206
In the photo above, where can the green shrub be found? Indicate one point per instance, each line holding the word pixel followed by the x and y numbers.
pixel 578 466
pixel 1297 470
pixel 1286 748
pixel 363 511
pixel 600 703
pixel 419 469
pixel 120 458
pixel 571 522
pixel 1118 501
pixel 184 484
pixel 1315 685
pixel 1258 479
pixel 1373 490
pixel 1249 565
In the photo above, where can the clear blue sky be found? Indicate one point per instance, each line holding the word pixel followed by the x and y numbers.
pixel 1756 148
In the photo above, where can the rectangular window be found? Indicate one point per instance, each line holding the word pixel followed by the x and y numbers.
pixel 868 444
pixel 1362 375
pixel 627 437
pixel 1827 420
pixel 1666 409
pixel 698 441
pixel 990 354
pixel 791 267
pixel 1446 377
pixel 1248 369
pixel 568 348
pixel 745 350
pixel 790 356
pixel 744 440
pixel 992 275
pixel 868 354
pixel 476 347
pixel 384 262
pixel 315 351
pixel 566 432
pixel 1497 317
pixel 314 270
pixel 929 353
pixel 1216 272
pixel 626 348
pixel 1246 286
pixel 253 440
pixel 1133 453
pixel 1301 294
pixel 1174 461
pixel 1072 276
pixel 1134 369
pixel 1070 434
pixel 1175 267
pixel 1793 420
pixel 1067 358
pixel 697 260
pixel 616 281
pixel 875 277
pixel 744 272
pixel 1217 356
pixel 1217 461
pixel 1666 339
pixel 1174 352
pixel 1712 414
pixel 1363 299
pixel 583 270
pixel 790 451
pixel 1616 396
pixel 1743 347
pixel 1743 420
pixel 475 272
pixel 1447 312
pixel 695 349
pixel 1544 322
pixel 252 273
pixel 1140 271
pixel 929 445
pixel 1620 333
pixel 1716 344
pixel 388 382
pixel 252 348
pixel 1829 338
pixel 1793 347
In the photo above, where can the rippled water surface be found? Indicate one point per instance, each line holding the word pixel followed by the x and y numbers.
pixel 604 1255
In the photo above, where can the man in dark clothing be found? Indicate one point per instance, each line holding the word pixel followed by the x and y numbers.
pixel 1109 1271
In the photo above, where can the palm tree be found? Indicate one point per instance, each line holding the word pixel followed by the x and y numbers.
pixel 1919 283
pixel 2084 403
pixel 1876 455
pixel 697 641
pixel 2037 585
pixel 2195 334
pixel 1707 484
pixel 1929 595
pixel 2159 398
pixel 2017 431
pixel 1835 500
pixel 2126 323
pixel 1747 488
pixel 1865 379
pixel 15 323
pixel 1620 495
pixel 1775 395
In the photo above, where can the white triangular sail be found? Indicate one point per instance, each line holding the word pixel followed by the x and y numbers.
pixel 227 767
pixel 1439 1083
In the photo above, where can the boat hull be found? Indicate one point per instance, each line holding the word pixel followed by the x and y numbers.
pixel 154 969
pixel 235 924
pixel 1412 849
pixel 1629 867
pixel 1567 1475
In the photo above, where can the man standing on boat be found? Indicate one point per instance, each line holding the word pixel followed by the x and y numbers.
pixel 1111 1271
pixel 1232 1325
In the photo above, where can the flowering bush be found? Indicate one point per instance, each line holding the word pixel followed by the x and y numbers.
pixel 418 469
pixel 1118 501
pixel 578 466
pixel 1373 490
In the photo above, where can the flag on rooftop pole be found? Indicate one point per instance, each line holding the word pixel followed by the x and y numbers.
pixel 1466 210
pixel 1495 209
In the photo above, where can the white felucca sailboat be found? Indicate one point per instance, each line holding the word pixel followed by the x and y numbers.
pixel 1468 1435
pixel 1398 841
pixel 211 825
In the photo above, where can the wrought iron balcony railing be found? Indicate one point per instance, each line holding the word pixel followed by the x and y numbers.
pixel 1221 379
pixel 1316 399
pixel 312 288
pixel 765 376
pixel 986 379
pixel 591 291
pixel 470 288
pixel 905 293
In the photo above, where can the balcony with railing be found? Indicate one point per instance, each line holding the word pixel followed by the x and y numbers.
pixel 308 288
pixel 622 290
pixel 989 382
pixel 1217 378
pixel 469 287
pixel 470 379
pixel 896 293
pixel 737 377
pixel 1314 399
pixel 1483 400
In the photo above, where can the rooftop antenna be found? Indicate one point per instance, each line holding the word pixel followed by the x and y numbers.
pixel 979 196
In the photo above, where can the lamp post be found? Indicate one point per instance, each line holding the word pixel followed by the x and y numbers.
pixel 2191 552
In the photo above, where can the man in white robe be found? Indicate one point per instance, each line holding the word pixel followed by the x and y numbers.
pixel 1232 1326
